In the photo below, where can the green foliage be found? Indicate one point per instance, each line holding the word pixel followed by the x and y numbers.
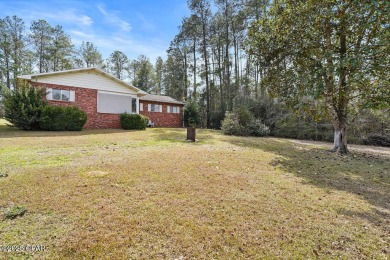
pixel 1 103
pixel 231 125
pixel 117 63
pixel 89 55
pixel 15 211
pixel 191 114
pixel 330 54
pixel 58 118
pixel 244 116
pixel 133 121
pixel 242 123
pixel 379 140
pixel 292 126
pixel 142 73
pixel 257 128
pixel 23 106
pixel 216 118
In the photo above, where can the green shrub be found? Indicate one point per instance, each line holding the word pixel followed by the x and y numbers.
pixel 1 103
pixel 15 212
pixel 244 116
pixel 191 114
pixel 378 139
pixel 133 121
pixel 216 118
pixel 75 118
pixel 23 107
pixel 291 126
pixel 257 128
pixel 59 118
pixel 231 125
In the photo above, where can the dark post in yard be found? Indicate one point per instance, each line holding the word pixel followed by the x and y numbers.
pixel 191 134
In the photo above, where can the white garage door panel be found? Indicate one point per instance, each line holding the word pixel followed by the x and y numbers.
pixel 113 103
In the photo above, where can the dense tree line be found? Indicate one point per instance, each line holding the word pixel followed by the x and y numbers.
pixel 324 61
pixel 282 60
pixel 45 48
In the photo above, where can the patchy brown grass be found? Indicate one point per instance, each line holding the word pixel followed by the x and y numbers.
pixel 114 194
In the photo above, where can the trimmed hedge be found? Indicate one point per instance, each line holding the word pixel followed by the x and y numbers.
pixel 58 118
pixel 133 121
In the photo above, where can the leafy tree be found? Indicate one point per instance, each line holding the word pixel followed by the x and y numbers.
pixel 23 107
pixel 89 55
pixel 329 53
pixel 117 63
pixel 190 35
pixel 61 50
pixel 173 76
pixel 159 67
pixel 12 48
pixel 5 54
pixel 201 9
pixel 143 78
pixel 40 38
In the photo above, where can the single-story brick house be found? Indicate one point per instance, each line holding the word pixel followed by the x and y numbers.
pixel 104 97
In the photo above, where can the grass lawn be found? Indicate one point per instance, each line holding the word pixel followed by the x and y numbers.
pixel 115 194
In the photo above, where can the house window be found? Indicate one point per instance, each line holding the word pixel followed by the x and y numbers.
pixel 154 108
pixel 141 106
pixel 134 105
pixel 60 95
pixel 173 109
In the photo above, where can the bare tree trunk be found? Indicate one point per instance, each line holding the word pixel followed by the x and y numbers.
pixel 185 77
pixel 194 52
pixel 207 74
pixel 220 78
pixel 227 66
pixel 340 135
pixel 262 90
pixel 340 124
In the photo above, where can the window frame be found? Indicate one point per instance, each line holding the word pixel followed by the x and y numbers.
pixel 152 108
pixel 70 95
pixel 173 109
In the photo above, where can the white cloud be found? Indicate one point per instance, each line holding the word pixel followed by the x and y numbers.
pixel 113 19
pixel 56 15
pixel 67 16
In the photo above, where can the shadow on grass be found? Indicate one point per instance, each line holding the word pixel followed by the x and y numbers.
pixel 362 174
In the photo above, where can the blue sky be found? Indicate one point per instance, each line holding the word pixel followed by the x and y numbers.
pixel 134 27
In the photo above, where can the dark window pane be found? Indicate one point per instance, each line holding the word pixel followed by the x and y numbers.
pixel 134 105
pixel 56 95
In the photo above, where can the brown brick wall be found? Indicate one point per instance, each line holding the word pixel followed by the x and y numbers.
pixel 85 99
pixel 163 119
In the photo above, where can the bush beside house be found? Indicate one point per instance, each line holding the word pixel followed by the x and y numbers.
pixel 133 121
pixel 57 118
pixel 23 107
pixel 26 109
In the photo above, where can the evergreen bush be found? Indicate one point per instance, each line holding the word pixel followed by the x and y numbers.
pixel 133 121
pixel 191 114
pixel 59 118
pixel 23 107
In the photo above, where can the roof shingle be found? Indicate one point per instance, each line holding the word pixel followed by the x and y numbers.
pixel 160 98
